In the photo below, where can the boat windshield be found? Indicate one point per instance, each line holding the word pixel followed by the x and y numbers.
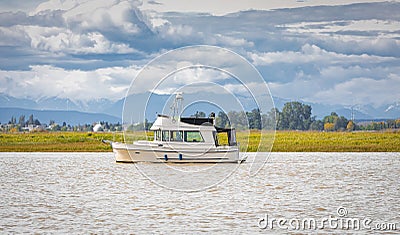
pixel 178 136
pixel 193 136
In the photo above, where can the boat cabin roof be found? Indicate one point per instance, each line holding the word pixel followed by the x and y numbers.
pixel 220 129
pixel 198 120
pixel 164 122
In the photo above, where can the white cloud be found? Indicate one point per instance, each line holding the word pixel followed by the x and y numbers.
pixel 175 31
pixel 321 27
pixel 192 79
pixel 219 39
pixel 223 7
pixel 300 52
pixel 313 54
pixel 341 85
pixel 368 36
pixel 13 36
pixel 362 90
pixel 77 85
pixel 55 5
pixel 60 40
pixel 320 76
pixel 103 15
pixel 155 19
pixel 81 32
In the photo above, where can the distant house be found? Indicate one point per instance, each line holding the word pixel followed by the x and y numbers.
pixel 32 127
pixel 98 127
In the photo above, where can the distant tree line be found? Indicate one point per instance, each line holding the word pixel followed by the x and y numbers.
pixel 140 126
pixel 32 124
pixel 296 116
pixel 242 120
pixel 381 125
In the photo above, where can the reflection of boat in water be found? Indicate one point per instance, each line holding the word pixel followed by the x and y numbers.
pixel 181 140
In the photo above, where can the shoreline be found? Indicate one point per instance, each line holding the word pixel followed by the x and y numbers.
pixel 285 141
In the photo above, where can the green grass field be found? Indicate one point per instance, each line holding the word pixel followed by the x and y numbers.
pixel 56 142
pixel 337 142
pixel 285 141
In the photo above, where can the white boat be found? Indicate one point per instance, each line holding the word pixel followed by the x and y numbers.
pixel 181 140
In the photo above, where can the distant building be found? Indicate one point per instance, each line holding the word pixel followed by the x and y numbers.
pixel 98 127
pixel 32 127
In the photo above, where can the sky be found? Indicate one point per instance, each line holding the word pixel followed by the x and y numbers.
pixel 344 52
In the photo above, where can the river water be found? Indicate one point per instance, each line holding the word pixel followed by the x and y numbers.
pixel 90 193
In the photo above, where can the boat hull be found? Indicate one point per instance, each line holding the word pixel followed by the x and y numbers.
pixel 125 153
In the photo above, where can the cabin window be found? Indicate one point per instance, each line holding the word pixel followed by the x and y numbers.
pixel 193 136
pixel 157 135
pixel 232 137
pixel 165 136
pixel 225 137
pixel 177 136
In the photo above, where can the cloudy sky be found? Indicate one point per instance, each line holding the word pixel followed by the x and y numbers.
pixel 336 52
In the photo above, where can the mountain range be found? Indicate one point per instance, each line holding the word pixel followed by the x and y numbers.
pixel 58 116
pixel 73 112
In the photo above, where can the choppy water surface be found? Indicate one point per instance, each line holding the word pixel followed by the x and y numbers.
pixel 90 193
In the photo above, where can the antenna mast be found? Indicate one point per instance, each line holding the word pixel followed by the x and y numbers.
pixel 177 106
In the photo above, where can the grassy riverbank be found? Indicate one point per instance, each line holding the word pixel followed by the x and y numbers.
pixel 285 141
pixel 337 142
pixel 56 142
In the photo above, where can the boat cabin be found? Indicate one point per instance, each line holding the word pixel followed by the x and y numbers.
pixel 190 130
